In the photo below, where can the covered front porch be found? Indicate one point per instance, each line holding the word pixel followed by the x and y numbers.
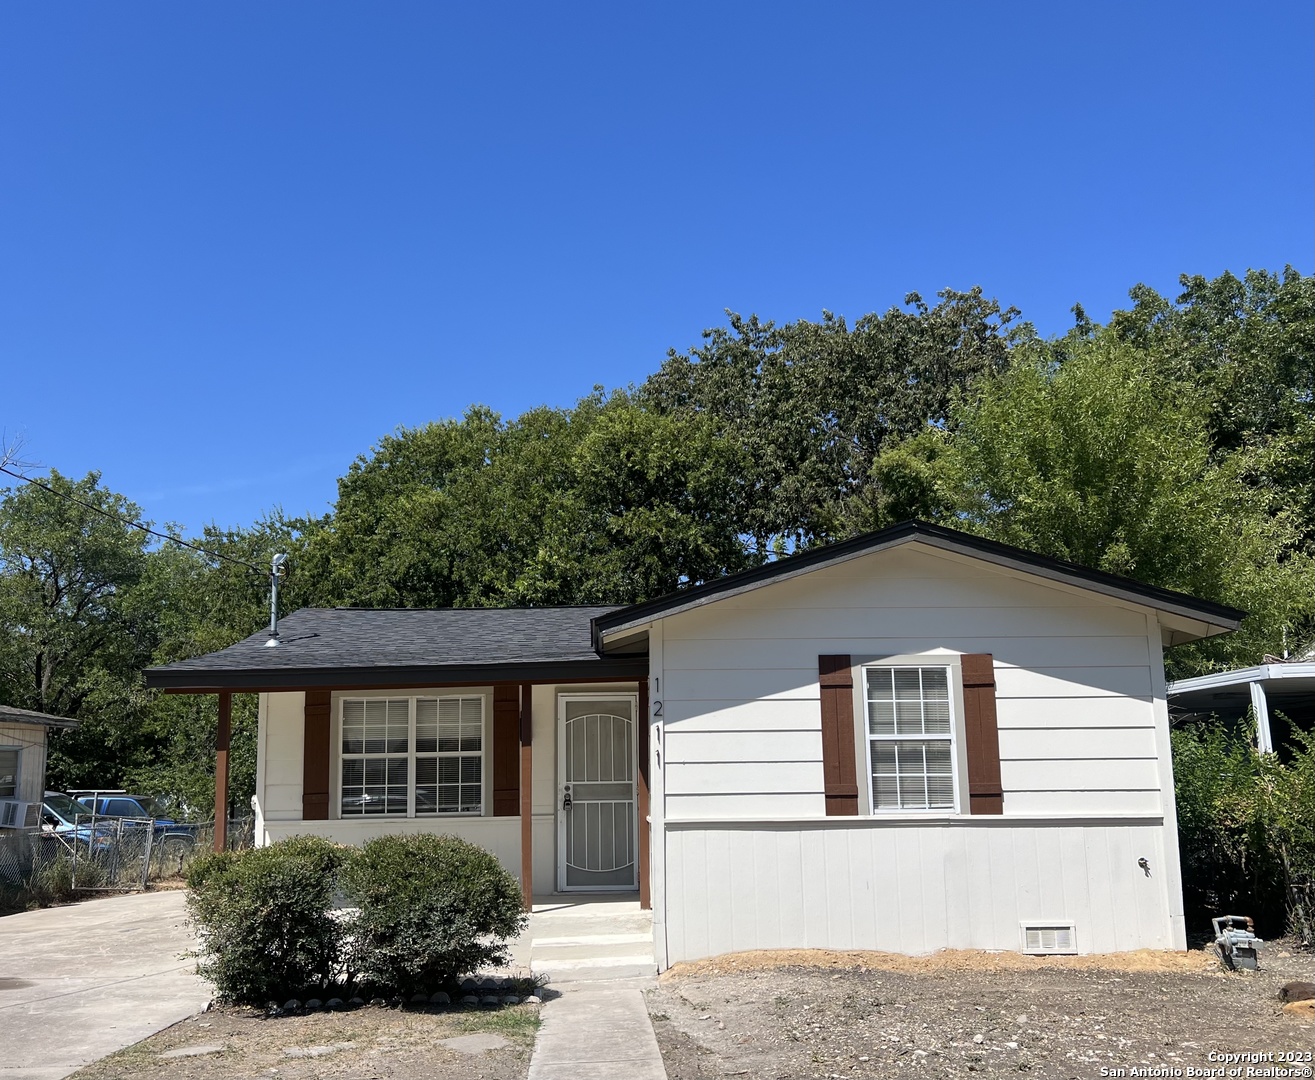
pixel 536 750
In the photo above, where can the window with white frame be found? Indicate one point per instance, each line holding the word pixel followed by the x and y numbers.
pixel 8 772
pixel 449 755
pixel 412 756
pixel 910 738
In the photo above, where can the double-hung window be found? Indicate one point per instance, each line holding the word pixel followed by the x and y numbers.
pixel 449 755
pixel 910 738
pixel 412 756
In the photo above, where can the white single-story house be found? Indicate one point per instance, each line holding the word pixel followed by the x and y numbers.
pixel 23 764
pixel 911 740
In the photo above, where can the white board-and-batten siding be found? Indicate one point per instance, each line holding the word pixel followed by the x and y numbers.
pixel 751 861
pixel 908 888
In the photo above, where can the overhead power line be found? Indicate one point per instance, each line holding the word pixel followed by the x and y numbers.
pixel 132 524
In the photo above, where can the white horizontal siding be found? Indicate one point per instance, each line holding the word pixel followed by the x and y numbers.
pixel 1080 775
pixel 745 777
pixel 740 685
pixel 906 624
pixel 1083 803
pixel 747 745
pixel 909 888
pixel 1071 712
pixel 739 682
pixel 778 714
pixel 741 805
pixel 1052 744
pixel 1089 681
pixel 706 654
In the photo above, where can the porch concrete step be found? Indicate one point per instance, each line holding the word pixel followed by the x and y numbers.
pixel 609 954
pixel 586 942
pixel 597 939
pixel 584 972
pixel 575 922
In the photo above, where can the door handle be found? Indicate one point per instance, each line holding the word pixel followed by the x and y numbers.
pixel 566 799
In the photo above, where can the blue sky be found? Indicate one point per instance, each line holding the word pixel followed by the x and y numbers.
pixel 239 242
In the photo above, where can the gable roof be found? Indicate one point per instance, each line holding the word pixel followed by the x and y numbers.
pixel 370 647
pixel 1210 618
pixel 405 646
pixel 10 715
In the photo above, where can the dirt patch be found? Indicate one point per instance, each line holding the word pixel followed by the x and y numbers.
pixel 804 1014
pixel 373 1043
pixel 946 960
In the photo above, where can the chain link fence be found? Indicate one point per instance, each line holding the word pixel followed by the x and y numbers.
pixel 101 854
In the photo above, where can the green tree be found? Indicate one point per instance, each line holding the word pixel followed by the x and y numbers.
pixel 72 634
pixel 812 406
pixel 606 502
pixel 1101 460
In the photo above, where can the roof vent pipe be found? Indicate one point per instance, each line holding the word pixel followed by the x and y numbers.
pixel 274 569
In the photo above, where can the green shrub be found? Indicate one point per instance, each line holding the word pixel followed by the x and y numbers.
pixel 1246 827
pixel 431 909
pixel 265 921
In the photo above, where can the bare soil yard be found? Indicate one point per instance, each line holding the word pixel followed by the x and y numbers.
pixel 364 1044
pixel 800 1015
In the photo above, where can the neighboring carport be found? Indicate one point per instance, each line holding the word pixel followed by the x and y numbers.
pixel 1267 692
pixel 82 981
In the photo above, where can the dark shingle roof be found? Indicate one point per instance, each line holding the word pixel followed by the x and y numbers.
pixel 360 646
pixel 9 715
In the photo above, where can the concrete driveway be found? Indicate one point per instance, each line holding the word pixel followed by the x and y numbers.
pixel 80 982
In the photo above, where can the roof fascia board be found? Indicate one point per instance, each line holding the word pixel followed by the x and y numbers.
pixel 1241 677
pixel 60 722
pixel 1223 619
pixel 240 681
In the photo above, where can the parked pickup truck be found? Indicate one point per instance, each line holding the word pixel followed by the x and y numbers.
pixel 58 814
pixel 174 837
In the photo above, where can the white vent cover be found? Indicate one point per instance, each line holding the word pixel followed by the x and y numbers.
pixel 1050 937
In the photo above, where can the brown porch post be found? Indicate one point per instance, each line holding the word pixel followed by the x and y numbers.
pixel 645 900
pixel 222 735
pixel 527 801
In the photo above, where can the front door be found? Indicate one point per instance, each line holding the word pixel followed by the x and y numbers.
pixel 597 830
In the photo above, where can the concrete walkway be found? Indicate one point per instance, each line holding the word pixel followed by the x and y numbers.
pixel 597 1031
pixel 82 981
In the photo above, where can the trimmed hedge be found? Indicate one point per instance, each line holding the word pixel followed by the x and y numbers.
pixel 430 909
pixel 264 918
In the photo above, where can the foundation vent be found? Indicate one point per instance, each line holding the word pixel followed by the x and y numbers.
pixel 1050 937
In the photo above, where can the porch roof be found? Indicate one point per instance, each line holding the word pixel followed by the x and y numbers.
pixel 364 647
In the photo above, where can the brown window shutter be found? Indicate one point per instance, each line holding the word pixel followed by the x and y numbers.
pixel 506 750
pixel 839 777
pixel 315 757
pixel 985 792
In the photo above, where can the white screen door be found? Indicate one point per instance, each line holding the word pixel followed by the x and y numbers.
pixel 597 831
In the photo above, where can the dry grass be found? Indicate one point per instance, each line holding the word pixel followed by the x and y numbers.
pixel 947 960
